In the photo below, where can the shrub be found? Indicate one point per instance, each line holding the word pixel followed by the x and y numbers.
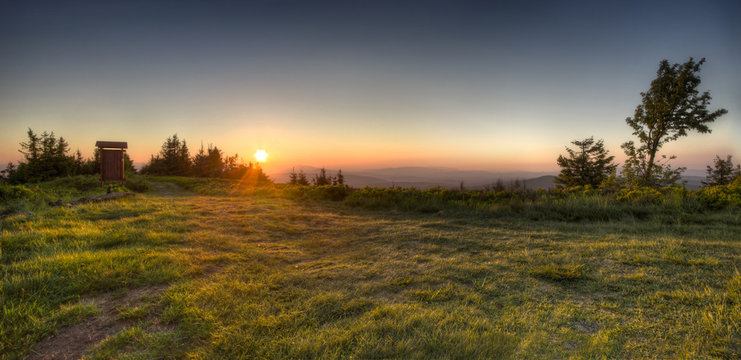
pixel 641 195
pixel 721 196
pixel 137 183
pixel 321 192
pixel 18 199
pixel 80 183
pixel 15 192
pixel 330 192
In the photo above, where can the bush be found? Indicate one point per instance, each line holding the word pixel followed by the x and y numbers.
pixel 81 183
pixel 321 192
pixel 18 199
pixel 330 192
pixel 137 183
pixel 15 192
pixel 641 195
pixel 721 196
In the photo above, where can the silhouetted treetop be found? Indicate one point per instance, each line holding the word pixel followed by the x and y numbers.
pixel 669 110
pixel 722 172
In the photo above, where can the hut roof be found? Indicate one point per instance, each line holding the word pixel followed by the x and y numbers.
pixel 112 144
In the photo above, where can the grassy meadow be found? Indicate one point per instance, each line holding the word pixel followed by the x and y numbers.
pixel 206 269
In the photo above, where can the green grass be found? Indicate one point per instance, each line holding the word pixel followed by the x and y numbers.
pixel 31 198
pixel 275 274
pixel 559 272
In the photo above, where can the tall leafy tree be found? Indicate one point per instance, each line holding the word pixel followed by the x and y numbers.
pixel 589 164
pixel 722 172
pixel 670 109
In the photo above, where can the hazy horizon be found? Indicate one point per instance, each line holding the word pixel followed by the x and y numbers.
pixel 469 85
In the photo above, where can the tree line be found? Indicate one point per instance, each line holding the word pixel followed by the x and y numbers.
pixel 46 157
pixel 669 110
pixel 174 159
pixel 299 178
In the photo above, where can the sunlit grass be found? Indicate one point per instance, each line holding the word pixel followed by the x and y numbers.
pixel 265 276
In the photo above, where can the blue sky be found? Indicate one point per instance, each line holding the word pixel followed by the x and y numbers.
pixel 468 84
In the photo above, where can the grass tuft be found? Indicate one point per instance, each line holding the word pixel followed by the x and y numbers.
pixel 559 272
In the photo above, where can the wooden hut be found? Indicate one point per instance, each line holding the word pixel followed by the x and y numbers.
pixel 111 160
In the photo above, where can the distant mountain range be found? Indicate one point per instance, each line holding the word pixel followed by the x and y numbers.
pixel 427 177
pixel 420 177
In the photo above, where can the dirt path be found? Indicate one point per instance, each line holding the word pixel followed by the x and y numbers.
pixel 76 340
pixel 167 189
pixel 71 342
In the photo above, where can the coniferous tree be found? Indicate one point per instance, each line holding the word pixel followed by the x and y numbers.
pixel 173 159
pixel 183 160
pixel 340 178
pixel 9 171
pixel 32 147
pixel 722 172
pixel 322 178
pixel 233 169
pixel 200 163
pixel 515 184
pixel 293 177
pixel 79 162
pixel 499 185
pixel 45 158
pixel 669 110
pixel 208 163
pixel 260 177
pixel 248 174
pixel 589 164
pixel 302 179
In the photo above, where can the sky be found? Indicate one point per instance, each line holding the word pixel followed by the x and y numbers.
pixel 483 85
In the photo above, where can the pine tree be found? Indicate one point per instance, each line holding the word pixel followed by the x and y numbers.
pixel 293 177
pixel 302 179
pixel 173 159
pixel 340 178
pixel 499 185
pixel 588 165
pixel 45 158
pixel 214 165
pixel 31 147
pixel 722 172
pixel 321 178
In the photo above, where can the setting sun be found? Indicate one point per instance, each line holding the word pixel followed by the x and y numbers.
pixel 261 155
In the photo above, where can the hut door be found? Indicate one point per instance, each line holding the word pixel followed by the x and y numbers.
pixel 113 165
